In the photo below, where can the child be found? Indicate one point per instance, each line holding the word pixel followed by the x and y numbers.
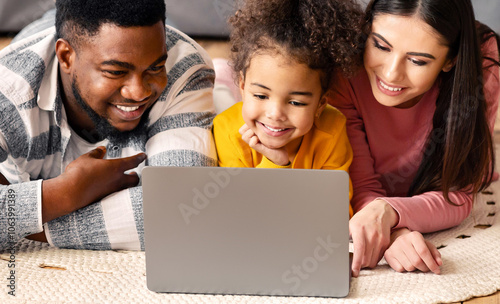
pixel 285 53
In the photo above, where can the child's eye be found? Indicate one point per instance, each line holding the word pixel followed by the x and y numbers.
pixel 417 62
pixel 259 96
pixel 379 46
pixel 297 103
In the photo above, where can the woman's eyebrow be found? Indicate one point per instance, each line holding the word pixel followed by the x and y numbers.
pixel 421 54
pixel 409 53
pixel 382 38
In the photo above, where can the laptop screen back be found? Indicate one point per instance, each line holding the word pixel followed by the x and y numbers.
pixel 246 231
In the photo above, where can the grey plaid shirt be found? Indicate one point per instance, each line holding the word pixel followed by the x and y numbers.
pixel 35 140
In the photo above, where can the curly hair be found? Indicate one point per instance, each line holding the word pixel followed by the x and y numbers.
pixel 323 34
pixel 76 19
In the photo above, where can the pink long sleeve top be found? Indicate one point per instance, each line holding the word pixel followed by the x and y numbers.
pixel 388 145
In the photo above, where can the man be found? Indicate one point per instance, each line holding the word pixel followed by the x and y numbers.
pixel 81 106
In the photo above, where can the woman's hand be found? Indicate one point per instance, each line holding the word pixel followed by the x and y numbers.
pixel 409 251
pixel 370 230
pixel 277 156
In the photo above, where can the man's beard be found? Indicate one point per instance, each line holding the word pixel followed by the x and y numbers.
pixel 102 128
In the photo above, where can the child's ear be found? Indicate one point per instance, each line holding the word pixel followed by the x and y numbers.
pixel 241 83
pixel 321 105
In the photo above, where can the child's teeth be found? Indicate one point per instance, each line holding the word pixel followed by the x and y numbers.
pixel 274 130
pixel 127 109
pixel 389 88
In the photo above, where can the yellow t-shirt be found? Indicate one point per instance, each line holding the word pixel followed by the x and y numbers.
pixel 325 146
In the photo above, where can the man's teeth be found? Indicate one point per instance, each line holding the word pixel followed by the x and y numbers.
pixel 274 130
pixel 390 88
pixel 127 109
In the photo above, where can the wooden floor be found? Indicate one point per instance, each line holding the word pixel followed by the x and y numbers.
pixel 4 41
pixel 220 49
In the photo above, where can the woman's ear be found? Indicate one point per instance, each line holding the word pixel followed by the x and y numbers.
pixel 449 65
pixel 65 54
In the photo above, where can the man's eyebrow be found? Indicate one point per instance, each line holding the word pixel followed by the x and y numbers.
pixel 382 38
pixel 157 61
pixel 122 64
pixel 129 66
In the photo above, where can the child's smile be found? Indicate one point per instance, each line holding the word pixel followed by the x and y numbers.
pixel 281 98
pixel 273 131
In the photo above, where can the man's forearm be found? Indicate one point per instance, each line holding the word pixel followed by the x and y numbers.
pixel 54 200
pixel 3 180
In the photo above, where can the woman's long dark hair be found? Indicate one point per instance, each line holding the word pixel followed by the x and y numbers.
pixel 459 152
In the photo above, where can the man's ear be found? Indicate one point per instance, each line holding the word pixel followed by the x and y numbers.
pixel 449 65
pixel 65 54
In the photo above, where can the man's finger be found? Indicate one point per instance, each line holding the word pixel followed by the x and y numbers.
pixel 131 162
pixel 98 152
pixel 129 180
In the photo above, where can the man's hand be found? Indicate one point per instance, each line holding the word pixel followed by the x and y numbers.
pixel 370 229
pixel 86 180
pixel 277 156
pixel 409 251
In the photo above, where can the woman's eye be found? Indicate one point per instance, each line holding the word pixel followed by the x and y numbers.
pixel 417 62
pixel 379 46
pixel 260 97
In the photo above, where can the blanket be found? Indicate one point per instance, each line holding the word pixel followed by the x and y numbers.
pixel 38 273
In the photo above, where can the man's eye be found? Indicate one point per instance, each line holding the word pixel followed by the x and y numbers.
pixel 115 73
pixel 158 68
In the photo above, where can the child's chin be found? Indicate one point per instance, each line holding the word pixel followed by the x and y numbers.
pixel 274 145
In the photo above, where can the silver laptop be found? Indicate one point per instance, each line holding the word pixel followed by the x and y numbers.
pixel 246 231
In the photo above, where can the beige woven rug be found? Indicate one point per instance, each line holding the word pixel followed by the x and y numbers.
pixel 470 252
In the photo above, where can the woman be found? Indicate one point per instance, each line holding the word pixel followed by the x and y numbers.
pixel 420 116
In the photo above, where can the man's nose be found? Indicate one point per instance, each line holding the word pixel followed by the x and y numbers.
pixel 137 89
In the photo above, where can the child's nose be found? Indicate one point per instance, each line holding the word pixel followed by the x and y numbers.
pixel 276 111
